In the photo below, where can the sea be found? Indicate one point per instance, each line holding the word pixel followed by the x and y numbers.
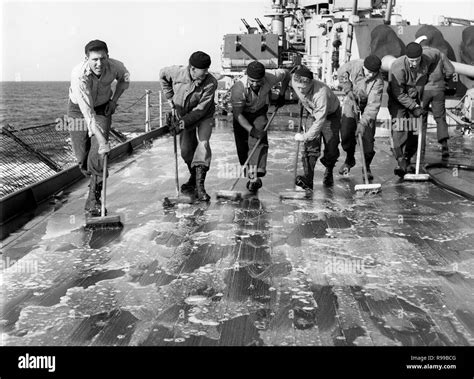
pixel 28 104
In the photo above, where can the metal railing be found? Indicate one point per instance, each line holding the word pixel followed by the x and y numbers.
pixel 33 154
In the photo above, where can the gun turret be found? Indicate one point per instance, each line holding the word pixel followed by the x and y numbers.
pixel 262 27
pixel 250 29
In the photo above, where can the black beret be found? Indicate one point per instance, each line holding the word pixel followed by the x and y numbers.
pixel 304 72
pixel 414 50
pixel 255 70
pixel 200 60
pixel 96 45
pixel 372 63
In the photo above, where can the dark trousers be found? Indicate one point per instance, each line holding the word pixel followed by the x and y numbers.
pixel 330 136
pixel 437 100
pixel 348 136
pixel 86 148
pixel 404 127
pixel 245 143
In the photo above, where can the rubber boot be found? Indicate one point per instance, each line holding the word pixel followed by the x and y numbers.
pixel 91 200
pixel 401 169
pixel 306 181
pixel 201 172
pixel 254 185
pixel 93 203
pixel 328 179
pixel 190 186
pixel 444 149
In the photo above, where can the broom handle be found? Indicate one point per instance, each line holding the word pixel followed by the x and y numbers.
pixel 362 158
pixel 104 185
pixel 176 177
pixel 418 150
pixel 295 169
pixel 254 148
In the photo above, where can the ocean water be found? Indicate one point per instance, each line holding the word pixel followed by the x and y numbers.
pixel 26 104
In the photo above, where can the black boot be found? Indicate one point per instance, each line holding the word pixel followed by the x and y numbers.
pixel 328 179
pixel 401 169
pixel 306 181
pixel 93 203
pixel 254 185
pixel 200 178
pixel 190 186
pixel 444 149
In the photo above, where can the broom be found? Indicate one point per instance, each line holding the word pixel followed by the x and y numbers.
pixel 417 177
pixel 172 201
pixel 237 195
pixel 104 222
pixel 296 194
pixel 366 187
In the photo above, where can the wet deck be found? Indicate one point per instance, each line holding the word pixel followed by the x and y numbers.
pixel 342 269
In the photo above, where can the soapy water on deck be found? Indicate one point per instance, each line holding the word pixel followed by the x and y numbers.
pixel 266 272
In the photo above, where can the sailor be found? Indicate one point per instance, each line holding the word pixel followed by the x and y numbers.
pixel 250 97
pixel 362 83
pixel 434 94
pixel 90 108
pixel 407 77
pixel 325 110
pixel 190 91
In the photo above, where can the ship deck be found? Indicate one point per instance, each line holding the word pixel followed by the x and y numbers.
pixel 342 269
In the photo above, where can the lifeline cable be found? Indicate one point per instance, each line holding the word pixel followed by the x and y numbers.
pixel 458 191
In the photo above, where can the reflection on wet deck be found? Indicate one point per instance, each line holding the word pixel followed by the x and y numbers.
pixel 341 269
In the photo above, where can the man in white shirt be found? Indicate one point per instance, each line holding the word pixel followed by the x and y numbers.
pixel 90 108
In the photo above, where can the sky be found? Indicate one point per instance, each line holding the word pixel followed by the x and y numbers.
pixel 42 41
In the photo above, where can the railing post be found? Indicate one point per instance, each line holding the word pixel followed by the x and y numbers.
pixel 147 111
pixel 161 109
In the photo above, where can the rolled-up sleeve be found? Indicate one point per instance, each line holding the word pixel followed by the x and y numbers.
pixel 205 104
pixel 122 75
pixel 319 113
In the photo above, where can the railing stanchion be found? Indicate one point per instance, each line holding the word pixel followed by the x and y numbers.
pixel 161 109
pixel 147 111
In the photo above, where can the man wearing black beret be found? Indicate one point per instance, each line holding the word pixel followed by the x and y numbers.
pixel 406 80
pixel 250 100
pixel 91 100
pixel 190 90
pixel 363 85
